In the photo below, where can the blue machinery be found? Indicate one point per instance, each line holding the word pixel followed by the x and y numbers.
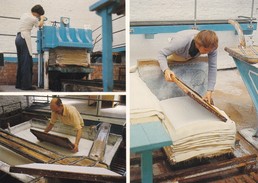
pixel 105 8
pixel 249 73
pixel 50 37
pixel 244 56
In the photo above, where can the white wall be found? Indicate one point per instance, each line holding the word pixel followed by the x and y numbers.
pixel 169 10
pixel 77 10
pixel 184 9
pixel 8 100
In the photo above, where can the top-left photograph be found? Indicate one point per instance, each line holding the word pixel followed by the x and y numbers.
pixel 62 46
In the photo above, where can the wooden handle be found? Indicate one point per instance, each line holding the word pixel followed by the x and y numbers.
pixel 194 95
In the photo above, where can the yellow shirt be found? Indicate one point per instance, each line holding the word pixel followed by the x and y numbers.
pixel 70 117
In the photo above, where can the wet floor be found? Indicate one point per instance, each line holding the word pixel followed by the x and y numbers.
pixel 232 96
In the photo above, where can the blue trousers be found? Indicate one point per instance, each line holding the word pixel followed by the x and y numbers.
pixel 25 64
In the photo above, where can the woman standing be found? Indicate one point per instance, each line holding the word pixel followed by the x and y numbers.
pixel 24 48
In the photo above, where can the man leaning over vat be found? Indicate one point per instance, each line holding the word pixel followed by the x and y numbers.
pixel 68 115
pixel 186 45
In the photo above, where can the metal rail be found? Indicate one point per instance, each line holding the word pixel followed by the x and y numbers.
pixel 184 22
pixel 8 105
pixel 15 18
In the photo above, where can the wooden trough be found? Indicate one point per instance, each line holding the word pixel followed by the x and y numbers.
pixel 31 150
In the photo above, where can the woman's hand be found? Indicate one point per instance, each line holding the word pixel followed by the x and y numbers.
pixel 41 21
pixel 208 97
pixel 42 17
pixel 169 75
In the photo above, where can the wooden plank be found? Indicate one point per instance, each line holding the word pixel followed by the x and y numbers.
pixel 239 179
pixel 195 96
pixel 90 163
pixel 248 54
pixel 53 139
pixel 30 145
pixel 24 151
pixel 232 180
pixel 248 179
pixel 148 136
pixel 254 176
pixel 210 177
pixel 231 163
pixel 69 172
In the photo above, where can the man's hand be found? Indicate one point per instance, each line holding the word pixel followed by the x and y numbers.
pixel 75 149
pixel 77 140
pixel 48 128
pixel 208 97
pixel 169 75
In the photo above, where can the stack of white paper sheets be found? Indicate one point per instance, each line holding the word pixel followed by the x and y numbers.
pixel 65 56
pixel 195 131
pixel 143 103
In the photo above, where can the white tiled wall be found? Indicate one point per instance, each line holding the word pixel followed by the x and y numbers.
pixel 169 10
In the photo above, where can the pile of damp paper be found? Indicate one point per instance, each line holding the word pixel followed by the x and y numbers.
pixel 195 132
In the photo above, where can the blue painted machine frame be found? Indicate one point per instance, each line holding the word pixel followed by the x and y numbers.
pixel 104 8
pixel 50 37
pixel 175 26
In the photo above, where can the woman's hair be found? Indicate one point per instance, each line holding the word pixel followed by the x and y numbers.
pixel 38 9
pixel 207 39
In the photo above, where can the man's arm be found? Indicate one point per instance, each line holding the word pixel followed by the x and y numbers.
pixel 77 140
pixel 48 128
pixel 212 74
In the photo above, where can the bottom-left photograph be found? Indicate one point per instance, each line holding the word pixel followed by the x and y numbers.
pixel 63 138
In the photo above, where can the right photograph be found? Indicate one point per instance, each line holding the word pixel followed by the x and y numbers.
pixel 193 91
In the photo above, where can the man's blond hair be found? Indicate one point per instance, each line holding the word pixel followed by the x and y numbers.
pixel 207 39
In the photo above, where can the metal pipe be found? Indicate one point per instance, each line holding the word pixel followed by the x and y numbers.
pixel 240 33
pixel 39 70
pixel 27 100
pixel 195 14
pixel 112 21
pixel 89 61
pixel 14 35
pixel 15 53
pixel 16 18
pixel 99 104
pixel 115 32
pixel 46 57
pixel 252 10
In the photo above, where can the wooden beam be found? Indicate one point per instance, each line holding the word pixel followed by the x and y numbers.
pixel 69 172
pixel 29 145
pixel 232 163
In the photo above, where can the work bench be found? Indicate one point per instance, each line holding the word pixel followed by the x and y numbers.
pixel 145 138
